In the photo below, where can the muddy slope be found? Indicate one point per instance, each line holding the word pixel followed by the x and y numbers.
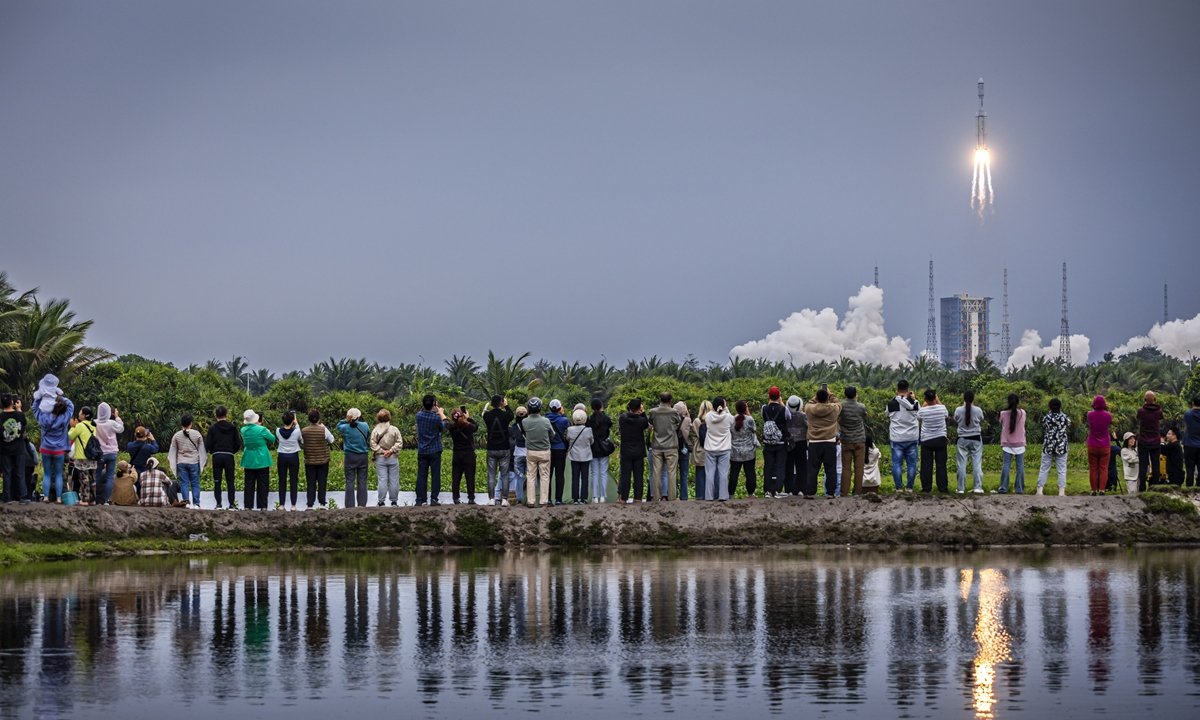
pixel 888 520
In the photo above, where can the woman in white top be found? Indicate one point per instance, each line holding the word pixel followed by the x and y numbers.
pixel 933 442
pixel 1130 463
pixel 579 452
pixel 288 460
pixel 718 442
pixel 969 419
pixel 871 475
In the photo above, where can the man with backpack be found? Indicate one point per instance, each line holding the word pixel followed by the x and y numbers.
pixel 496 422
pixel 664 448
pixel 775 444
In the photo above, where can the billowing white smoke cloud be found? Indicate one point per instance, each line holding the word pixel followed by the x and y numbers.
pixel 1178 338
pixel 809 336
pixel 1031 347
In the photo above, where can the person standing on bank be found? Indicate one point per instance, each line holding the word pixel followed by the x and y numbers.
pixel 539 433
pixel 664 449
pixel 696 435
pixel 431 423
pixel 743 441
pixel 685 424
pixel 1149 441
pixel 579 452
pixel 83 470
pixel 462 457
pixel 287 462
pixel 904 432
pixel 823 413
pixel 108 427
pixel 1191 442
pixel 632 426
pixel 12 450
pixel 1099 422
pixel 386 443
pixel 969 418
pixel 718 446
pixel 796 473
pixel 776 438
pixel 1172 453
pixel 356 444
pixel 1129 463
pixel 853 423
pixel 602 449
pixel 1012 444
pixel 1054 445
pixel 187 458
pixel 256 461
pixel 223 442
pixel 141 448
pixel 316 440
pixel 520 457
pixel 558 448
pixel 496 421
pixel 934 440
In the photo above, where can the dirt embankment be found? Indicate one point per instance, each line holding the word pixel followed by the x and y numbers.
pixel 886 520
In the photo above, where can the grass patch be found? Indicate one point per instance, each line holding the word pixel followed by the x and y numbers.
pixel 1167 504
pixel 475 530
pixel 1037 525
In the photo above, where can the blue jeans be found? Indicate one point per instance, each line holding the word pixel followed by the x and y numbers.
pixel 599 477
pixel 189 478
pixel 904 453
pixel 973 449
pixel 516 477
pixel 698 487
pixel 1019 486
pixel 104 477
pixel 52 467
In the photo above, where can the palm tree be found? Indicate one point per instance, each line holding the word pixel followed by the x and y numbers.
pixel 44 339
pixel 501 376
pixel 460 371
pixel 347 374
pixel 261 381
pixel 235 368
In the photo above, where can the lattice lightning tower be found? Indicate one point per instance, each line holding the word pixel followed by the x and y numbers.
pixel 931 331
pixel 1005 339
pixel 1165 315
pixel 1064 333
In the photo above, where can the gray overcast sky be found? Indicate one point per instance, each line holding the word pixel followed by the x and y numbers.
pixel 290 181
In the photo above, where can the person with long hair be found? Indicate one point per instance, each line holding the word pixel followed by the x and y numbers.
pixel 743 450
pixel 1012 444
pixel 969 418
pixel 55 444
pixel 696 434
pixel 1129 462
pixel 718 444
pixel 462 458
pixel 1099 421
pixel 1054 445
pixel 602 448
pixel 934 440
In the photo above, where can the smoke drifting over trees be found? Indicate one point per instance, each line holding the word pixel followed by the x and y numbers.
pixel 1031 347
pixel 809 336
pixel 1179 338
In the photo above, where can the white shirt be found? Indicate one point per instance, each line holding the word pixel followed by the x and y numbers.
pixel 933 421
pixel 902 421
pixel 719 436
pixel 292 444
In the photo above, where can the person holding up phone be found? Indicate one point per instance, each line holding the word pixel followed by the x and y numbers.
pixel 356 436
pixel 431 423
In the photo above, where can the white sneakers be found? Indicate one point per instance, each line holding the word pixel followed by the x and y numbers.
pixel 1062 492
pixel 1039 492
pixel 978 491
pixel 504 502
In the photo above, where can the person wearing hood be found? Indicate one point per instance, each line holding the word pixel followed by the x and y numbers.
pixel 718 444
pixel 904 434
pixel 796 470
pixel 664 448
pixel 776 439
pixel 256 461
pixel 223 442
pixel 153 486
pixel 55 425
pixel 1099 422
pixel 1129 462
pixel 287 457
pixel 1149 441
pixel 315 440
pixel 602 448
pixel 12 450
pixel 696 434
pixel 187 459
pixel 108 427
pixel 355 446
pixel 1191 442
pixel 823 412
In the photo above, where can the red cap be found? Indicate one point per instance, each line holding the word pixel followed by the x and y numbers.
pixel 773 393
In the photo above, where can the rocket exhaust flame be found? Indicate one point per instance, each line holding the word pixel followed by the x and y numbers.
pixel 981 179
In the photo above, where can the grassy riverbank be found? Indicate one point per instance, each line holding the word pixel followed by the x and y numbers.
pixel 46 532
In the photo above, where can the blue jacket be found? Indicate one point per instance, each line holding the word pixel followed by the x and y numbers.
pixel 354 436
pixel 140 452
pixel 561 422
pixel 55 427
pixel 1191 421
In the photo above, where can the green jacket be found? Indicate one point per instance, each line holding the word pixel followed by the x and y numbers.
pixel 538 433
pixel 255 454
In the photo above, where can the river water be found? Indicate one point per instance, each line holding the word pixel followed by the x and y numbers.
pixel 829 633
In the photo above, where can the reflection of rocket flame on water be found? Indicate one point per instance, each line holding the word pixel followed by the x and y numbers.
pixel 992 639
pixel 981 180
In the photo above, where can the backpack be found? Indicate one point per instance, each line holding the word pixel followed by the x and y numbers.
pixel 91 449
pixel 772 435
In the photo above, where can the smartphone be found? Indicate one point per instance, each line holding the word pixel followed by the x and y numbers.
pixel 462 408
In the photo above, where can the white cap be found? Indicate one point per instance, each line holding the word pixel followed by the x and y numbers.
pixel 556 404
pixel 250 417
